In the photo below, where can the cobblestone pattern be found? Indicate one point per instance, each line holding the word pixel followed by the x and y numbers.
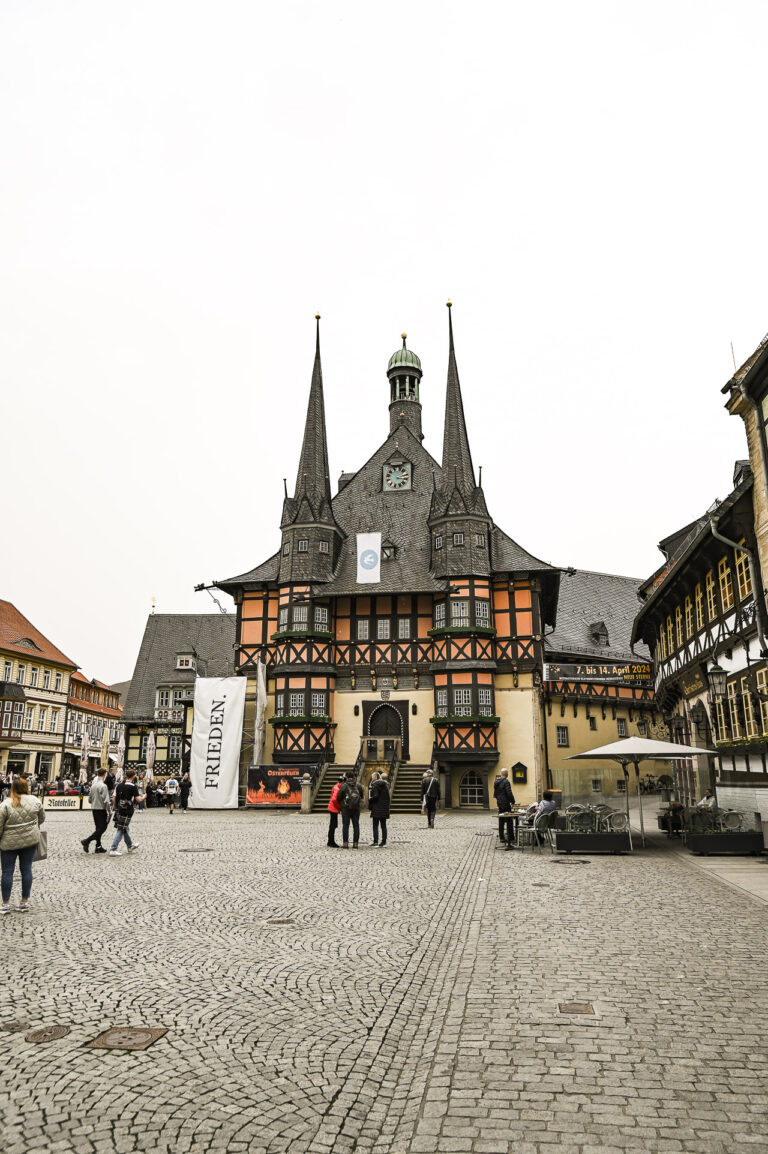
pixel 411 1006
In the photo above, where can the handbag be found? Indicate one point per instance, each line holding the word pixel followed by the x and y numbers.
pixel 41 849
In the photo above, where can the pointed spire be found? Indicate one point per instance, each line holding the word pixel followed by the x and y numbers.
pixel 457 458
pixel 313 478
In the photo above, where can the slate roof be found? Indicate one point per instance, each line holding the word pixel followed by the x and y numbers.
pixel 210 635
pixel 121 689
pixel 18 635
pixel 587 598
pixel 753 362
pixel 457 458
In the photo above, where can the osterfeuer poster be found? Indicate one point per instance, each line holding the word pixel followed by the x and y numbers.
pixel 270 785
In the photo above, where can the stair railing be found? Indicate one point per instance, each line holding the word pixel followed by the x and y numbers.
pixel 394 765
pixel 359 768
pixel 317 780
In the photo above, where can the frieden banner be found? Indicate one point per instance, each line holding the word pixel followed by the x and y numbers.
pixel 217 730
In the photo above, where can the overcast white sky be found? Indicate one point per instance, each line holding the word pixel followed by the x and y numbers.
pixel 185 184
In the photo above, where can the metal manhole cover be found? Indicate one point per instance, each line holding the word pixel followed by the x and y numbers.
pixel 47 1034
pixel 195 851
pixel 126 1038
pixel 280 922
pixel 576 1008
pixel 541 885
pixel 569 861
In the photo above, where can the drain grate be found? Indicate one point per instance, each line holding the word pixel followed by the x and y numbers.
pixel 576 1008
pixel 569 861
pixel 47 1034
pixel 195 851
pixel 126 1038
pixel 280 922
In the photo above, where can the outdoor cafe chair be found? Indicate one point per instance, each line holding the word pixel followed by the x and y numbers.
pixel 537 834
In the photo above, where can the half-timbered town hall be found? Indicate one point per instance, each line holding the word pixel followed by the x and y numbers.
pixel 438 661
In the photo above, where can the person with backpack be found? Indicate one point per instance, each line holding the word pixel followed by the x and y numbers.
pixel 378 803
pixel 334 809
pixel 350 800
pixel 101 810
pixel 126 795
pixel 171 789
pixel 430 796
pixel 185 789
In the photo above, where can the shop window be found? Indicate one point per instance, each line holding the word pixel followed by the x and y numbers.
pixel 471 789
pixel 562 736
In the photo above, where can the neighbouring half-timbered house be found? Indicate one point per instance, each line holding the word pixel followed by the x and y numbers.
pixel 92 707
pixel 702 609
pixel 438 663
pixel 175 650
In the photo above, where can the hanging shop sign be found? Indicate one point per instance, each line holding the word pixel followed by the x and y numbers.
pixel 632 673
pixel 270 785
pixel 217 733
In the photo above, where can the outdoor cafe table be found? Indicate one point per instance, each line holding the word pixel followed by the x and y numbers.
pixel 514 815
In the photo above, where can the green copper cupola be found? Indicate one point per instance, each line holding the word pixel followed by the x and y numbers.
pixel 404 373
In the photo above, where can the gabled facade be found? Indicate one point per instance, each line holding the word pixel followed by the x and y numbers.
pixel 705 607
pixel 92 708
pixel 441 658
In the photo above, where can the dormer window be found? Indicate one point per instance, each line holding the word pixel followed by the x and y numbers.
pixel 599 633
pixel 388 551
pixel 303 545
pixel 185 661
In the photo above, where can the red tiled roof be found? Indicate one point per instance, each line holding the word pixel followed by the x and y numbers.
pixel 15 629
pixel 93 707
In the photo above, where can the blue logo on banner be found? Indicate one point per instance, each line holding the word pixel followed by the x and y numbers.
pixel 369 559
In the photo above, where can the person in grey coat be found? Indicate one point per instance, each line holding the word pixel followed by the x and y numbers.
pixel 20 819
pixel 378 804
pixel 101 810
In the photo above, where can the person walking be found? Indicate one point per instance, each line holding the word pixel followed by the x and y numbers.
pixel 334 809
pixel 185 788
pixel 505 799
pixel 171 789
pixel 126 795
pixel 378 802
pixel 350 800
pixel 430 796
pixel 101 810
pixel 20 819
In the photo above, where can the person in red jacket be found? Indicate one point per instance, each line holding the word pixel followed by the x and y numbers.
pixel 334 809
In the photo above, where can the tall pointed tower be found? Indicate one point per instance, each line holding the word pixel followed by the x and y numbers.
pixel 458 518
pixel 310 535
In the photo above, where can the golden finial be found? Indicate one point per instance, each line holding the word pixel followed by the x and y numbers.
pixel 317 316
pixel 448 304
pixel 403 335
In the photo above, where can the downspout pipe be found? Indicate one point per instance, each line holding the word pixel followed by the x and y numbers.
pixel 754 578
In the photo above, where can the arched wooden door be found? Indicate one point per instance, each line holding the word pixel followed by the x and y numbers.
pixel 384 722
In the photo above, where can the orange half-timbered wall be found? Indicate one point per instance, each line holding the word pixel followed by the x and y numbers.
pixel 518 622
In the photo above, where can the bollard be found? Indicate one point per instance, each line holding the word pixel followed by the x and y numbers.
pixel 306 793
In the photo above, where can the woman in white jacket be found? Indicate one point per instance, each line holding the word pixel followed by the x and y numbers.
pixel 20 819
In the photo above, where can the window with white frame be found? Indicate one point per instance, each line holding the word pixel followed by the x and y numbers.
pixel 296 707
pixel 174 747
pixel 323 546
pixel 458 538
pixel 743 575
pixel 29 720
pixel 20 673
pixel 441 698
pixel 482 614
pixel 318 705
pixel 460 613
pixel 621 785
pixel 279 704
pixel 480 540
pixel 363 629
pixel 300 618
pixel 404 628
pixel 286 549
pixel 8 670
pixel 621 726
pixel 749 713
pixel 143 743
pixel 439 614
pixel 439 541
pixel 471 790
pixel 163 698
pixel 41 718
pixel 562 736
pixel 462 702
pixel 59 682
pixel 178 696
pixel 303 545
pixel 46 679
pixel 185 661
pixel 762 688
pixel 282 619
pixel 321 618
pixel 733 709
pixel 698 604
pixel 54 720
pixel 33 676
pixel 383 631
pixel 597 785
pixel 484 701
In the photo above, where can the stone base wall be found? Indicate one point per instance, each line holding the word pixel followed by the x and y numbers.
pixel 753 803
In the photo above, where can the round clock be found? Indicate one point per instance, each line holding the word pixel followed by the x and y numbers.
pixel 397 476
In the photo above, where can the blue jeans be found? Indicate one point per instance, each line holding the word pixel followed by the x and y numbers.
pixel 121 833
pixel 8 857
pixel 345 820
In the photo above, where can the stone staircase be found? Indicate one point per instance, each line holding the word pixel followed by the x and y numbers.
pixel 406 796
pixel 331 775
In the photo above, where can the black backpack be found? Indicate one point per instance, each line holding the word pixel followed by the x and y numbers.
pixel 352 797
pixel 124 806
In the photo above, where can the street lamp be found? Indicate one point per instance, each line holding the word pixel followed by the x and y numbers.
pixel 717 679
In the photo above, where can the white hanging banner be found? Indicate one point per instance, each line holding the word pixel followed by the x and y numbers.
pixel 260 728
pixel 217 732
pixel 368 558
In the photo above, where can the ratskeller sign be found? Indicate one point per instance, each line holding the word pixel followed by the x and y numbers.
pixel 632 673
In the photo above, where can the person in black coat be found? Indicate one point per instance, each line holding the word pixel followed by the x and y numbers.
pixel 505 799
pixel 430 796
pixel 378 804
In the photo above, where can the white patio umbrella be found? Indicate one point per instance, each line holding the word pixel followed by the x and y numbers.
pixel 151 751
pixel 121 750
pixel 104 763
pixel 84 751
pixel 635 750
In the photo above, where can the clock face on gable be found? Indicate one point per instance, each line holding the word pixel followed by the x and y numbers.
pixel 397 475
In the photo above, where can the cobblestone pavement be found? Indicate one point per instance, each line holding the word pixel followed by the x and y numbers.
pixel 412 1003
